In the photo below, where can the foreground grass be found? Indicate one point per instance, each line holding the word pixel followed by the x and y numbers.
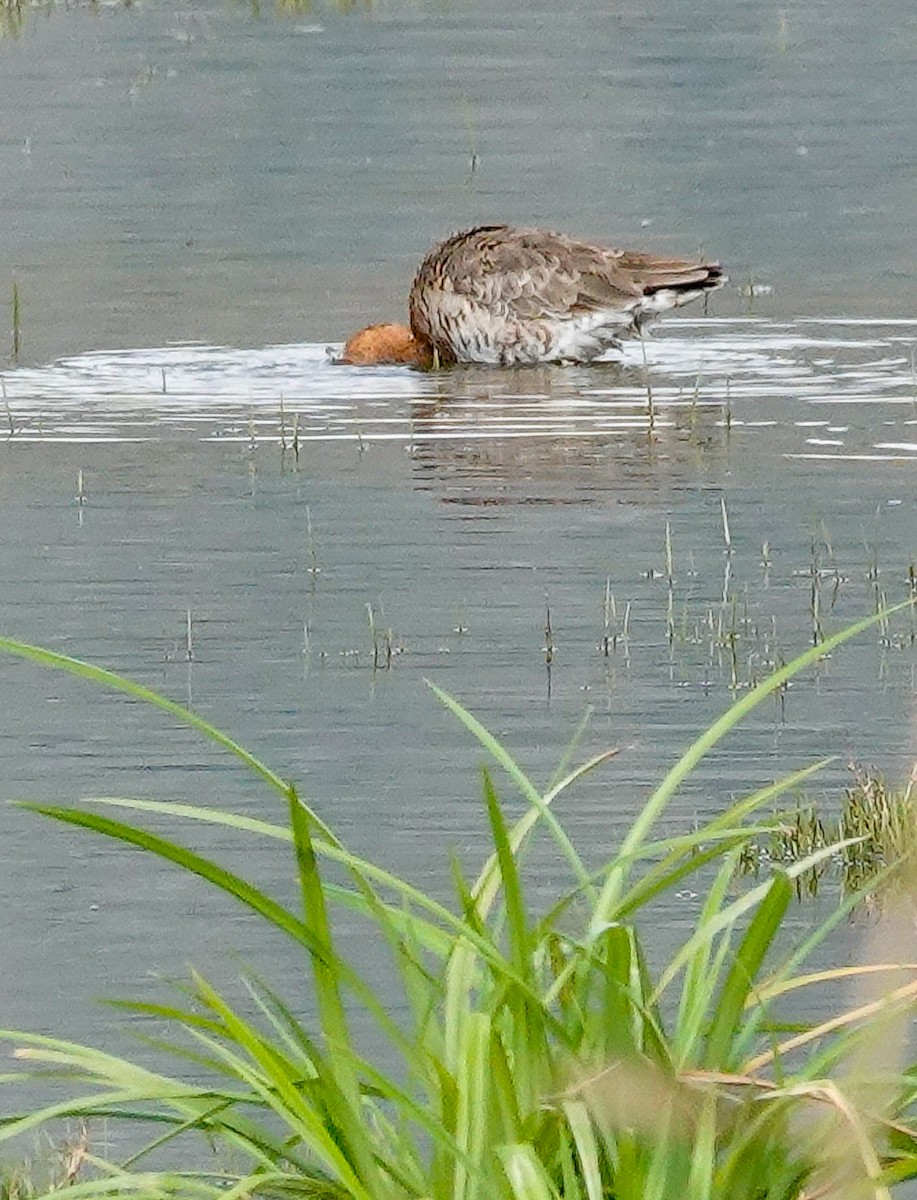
pixel 540 1057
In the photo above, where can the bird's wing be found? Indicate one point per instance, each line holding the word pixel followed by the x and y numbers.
pixel 531 274
pixel 651 273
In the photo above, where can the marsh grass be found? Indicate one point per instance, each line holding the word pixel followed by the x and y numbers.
pixel 736 638
pixel 48 1168
pixel 382 638
pixel 13 13
pixel 16 306
pixel 537 1056
pixel 876 828
pixel 298 7
pixel 615 632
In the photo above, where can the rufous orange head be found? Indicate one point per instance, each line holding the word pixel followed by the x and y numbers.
pixel 379 345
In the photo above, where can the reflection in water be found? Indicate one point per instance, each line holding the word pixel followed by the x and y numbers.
pixel 545 436
pixel 816 384
pixel 556 435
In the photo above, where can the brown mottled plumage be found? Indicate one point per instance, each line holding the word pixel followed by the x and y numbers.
pixel 506 296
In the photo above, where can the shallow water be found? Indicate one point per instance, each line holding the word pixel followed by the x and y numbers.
pixel 463 508
pixel 179 172
pixel 696 371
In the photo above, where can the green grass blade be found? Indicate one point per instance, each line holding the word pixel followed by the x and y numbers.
pixel 728 916
pixel 526 1033
pixel 436 938
pixel 253 898
pixel 703 1155
pixel 525 1172
pixel 212 872
pixel 329 969
pixel 584 1138
pixel 472 1114
pixel 329 1121
pixel 700 975
pixel 720 1054
pixel 484 886
pixel 563 765
pixel 686 854
pixel 516 917
pixel 326 963
pixel 199 812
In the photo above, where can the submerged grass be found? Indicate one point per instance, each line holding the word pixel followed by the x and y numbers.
pixel 537 1055
pixel 876 830
pixel 48 1168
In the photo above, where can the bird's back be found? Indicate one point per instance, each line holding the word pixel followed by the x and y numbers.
pixel 500 294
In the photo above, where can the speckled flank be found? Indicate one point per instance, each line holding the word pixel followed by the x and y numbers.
pixel 505 296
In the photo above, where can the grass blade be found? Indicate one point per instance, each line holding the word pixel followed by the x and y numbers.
pixel 744 972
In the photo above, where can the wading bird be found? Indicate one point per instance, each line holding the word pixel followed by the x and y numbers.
pixel 515 297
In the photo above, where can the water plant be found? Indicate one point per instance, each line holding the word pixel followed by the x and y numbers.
pixel 876 828
pixel 48 1168
pixel 536 1053
pixel 17 322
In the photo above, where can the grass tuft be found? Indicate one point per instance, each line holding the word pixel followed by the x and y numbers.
pixel 876 828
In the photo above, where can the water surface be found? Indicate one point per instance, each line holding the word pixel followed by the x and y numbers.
pixel 198 198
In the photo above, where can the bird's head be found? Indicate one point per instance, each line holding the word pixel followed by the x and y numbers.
pixel 380 345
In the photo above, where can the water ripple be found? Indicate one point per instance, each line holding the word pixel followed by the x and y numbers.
pixel 747 372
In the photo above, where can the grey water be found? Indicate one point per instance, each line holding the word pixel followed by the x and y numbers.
pixel 195 200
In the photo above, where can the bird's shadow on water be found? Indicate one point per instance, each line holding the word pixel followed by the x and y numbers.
pixel 528 388
pixel 622 471
pixel 555 435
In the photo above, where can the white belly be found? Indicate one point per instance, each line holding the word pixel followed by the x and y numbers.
pixel 477 334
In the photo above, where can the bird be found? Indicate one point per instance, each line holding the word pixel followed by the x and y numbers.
pixel 507 296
